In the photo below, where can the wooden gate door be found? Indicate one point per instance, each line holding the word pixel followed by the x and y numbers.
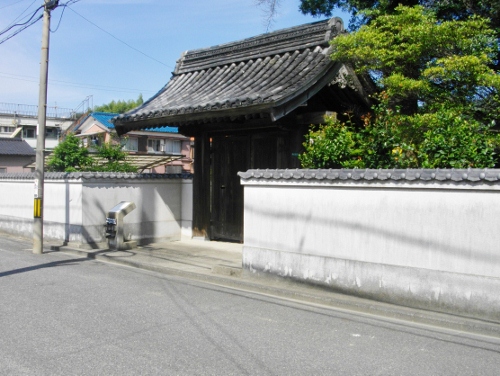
pixel 230 155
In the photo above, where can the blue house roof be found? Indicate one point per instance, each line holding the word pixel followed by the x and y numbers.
pixel 105 119
pixel 164 129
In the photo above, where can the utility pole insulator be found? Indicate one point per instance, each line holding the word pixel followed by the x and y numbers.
pixel 51 5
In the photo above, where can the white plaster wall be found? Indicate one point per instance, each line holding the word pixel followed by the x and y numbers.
pixel 16 206
pixel 75 210
pixel 187 209
pixel 62 207
pixel 433 244
pixel 63 211
pixel 158 208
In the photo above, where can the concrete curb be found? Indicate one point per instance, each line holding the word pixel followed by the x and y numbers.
pixel 259 283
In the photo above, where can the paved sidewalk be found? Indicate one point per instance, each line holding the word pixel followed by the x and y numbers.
pixel 219 263
pixel 184 257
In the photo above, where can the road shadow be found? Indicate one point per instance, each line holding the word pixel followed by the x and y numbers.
pixel 43 266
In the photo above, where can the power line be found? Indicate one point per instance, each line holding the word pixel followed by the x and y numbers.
pixel 24 11
pixel 64 6
pixel 28 23
pixel 22 24
pixel 74 84
pixel 17 2
pixel 119 40
pixel 19 30
pixel 60 19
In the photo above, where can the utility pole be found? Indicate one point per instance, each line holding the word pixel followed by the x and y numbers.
pixel 40 139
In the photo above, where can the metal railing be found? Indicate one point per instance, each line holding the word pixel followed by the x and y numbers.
pixel 32 110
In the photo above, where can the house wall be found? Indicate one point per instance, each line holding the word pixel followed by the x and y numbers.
pixel 76 205
pixel 423 243
pixel 16 163
pixel 13 120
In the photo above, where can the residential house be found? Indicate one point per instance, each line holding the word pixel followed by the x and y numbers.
pixel 20 121
pixel 158 150
pixel 248 104
pixel 15 155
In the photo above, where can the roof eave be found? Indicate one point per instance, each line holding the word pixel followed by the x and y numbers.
pixel 123 126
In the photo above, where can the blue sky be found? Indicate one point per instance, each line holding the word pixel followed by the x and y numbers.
pixel 87 62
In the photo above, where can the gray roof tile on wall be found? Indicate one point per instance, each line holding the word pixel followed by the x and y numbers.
pixel 92 175
pixel 470 175
pixel 15 146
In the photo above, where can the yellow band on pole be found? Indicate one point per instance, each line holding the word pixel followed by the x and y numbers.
pixel 38 208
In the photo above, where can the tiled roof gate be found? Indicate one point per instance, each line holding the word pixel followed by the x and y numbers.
pixel 248 105
pixel 265 76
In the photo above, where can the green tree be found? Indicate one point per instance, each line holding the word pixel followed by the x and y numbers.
pixel 389 139
pixel 368 9
pixel 364 11
pixel 70 156
pixel 332 145
pixel 439 96
pixel 120 106
pixel 421 62
pixel 111 158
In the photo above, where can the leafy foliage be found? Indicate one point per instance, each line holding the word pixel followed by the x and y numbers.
pixel 114 159
pixel 389 139
pixel 421 62
pixel 364 11
pixel 332 145
pixel 438 100
pixel 71 156
pixel 120 106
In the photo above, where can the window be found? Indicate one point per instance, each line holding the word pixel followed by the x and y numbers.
pixel 6 129
pixel 132 144
pixel 3 170
pixel 95 141
pixel 165 146
pixel 155 145
pixel 173 147
pixel 29 133
pixel 52 133
pixel 173 170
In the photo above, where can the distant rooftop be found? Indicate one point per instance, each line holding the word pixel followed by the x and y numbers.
pixel 15 146
pixel 105 119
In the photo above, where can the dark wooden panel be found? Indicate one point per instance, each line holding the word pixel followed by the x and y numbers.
pixel 230 155
pixel 201 187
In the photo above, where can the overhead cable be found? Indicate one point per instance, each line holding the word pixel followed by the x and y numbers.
pixel 118 39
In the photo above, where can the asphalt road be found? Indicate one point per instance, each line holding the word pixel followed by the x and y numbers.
pixel 61 315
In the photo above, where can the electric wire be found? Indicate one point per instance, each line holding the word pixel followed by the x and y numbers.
pixel 31 21
pixel 21 24
pixel 24 11
pixel 64 6
pixel 20 30
pixel 118 39
pixel 17 2
pixel 60 19
pixel 76 84
pixel 28 23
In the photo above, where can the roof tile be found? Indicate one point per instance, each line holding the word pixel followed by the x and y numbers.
pixel 458 175
pixel 253 74
pixel 15 146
